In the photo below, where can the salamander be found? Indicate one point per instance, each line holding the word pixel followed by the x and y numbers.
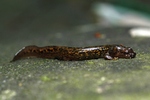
pixel 108 52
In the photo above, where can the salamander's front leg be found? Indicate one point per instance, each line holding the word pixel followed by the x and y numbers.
pixel 109 57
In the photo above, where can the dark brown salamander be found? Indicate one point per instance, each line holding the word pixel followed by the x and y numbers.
pixel 108 52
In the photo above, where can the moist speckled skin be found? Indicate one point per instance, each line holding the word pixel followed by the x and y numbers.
pixel 107 52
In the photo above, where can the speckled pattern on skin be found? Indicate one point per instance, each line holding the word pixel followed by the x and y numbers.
pixel 107 52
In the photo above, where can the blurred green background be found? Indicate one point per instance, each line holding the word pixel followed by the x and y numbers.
pixel 40 15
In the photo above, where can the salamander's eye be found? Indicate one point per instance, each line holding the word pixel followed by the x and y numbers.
pixel 126 51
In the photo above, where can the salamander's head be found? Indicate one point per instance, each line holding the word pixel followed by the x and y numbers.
pixel 124 52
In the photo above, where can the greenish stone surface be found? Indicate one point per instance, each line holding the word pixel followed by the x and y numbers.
pixel 97 79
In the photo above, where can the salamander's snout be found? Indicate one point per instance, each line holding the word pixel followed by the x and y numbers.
pixel 131 52
pixel 133 55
